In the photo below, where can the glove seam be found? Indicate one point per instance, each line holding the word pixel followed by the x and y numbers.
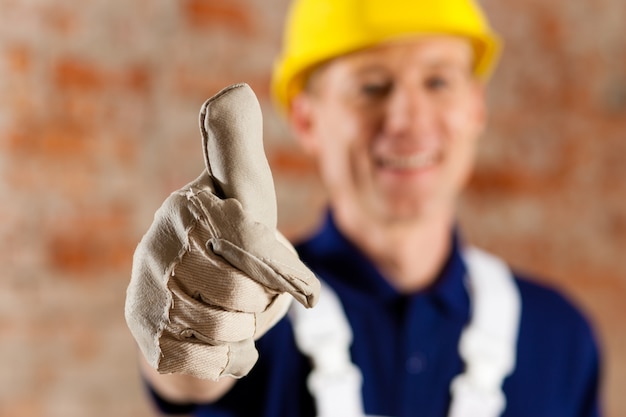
pixel 167 326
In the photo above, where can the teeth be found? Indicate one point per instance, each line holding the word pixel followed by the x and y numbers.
pixel 415 161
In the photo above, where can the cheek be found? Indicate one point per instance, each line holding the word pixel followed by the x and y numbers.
pixel 346 130
pixel 343 134
pixel 464 124
pixel 344 155
pixel 337 154
pixel 464 127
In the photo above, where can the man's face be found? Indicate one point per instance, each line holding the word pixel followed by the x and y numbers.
pixel 394 128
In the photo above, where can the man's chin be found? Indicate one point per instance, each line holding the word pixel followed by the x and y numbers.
pixel 408 211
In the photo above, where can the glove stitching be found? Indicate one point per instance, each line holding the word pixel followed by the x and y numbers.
pixel 170 272
pixel 200 212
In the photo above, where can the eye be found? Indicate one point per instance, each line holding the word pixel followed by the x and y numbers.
pixel 376 89
pixel 435 83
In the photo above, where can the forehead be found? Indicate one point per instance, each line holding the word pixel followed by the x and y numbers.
pixel 417 53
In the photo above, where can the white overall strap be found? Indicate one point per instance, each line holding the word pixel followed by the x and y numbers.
pixel 488 344
pixel 323 334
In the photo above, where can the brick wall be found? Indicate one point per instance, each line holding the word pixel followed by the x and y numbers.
pixel 98 123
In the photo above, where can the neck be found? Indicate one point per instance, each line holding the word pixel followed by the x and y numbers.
pixel 409 254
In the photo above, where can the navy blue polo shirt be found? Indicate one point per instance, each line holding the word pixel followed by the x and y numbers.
pixel 407 346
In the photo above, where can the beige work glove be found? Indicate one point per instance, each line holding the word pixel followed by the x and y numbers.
pixel 212 274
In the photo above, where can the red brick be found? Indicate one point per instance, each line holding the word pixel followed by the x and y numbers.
pixel 507 182
pixel 207 14
pixel 193 83
pixel 76 74
pixel 61 21
pixel 64 139
pixel 54 140
pixel 76 108
pixel 137 79
pixel 91 242
pixel 290 163
pixel 80 74
pixel 19 58
pixel 551 29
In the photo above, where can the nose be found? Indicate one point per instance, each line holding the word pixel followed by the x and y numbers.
pixel 408 114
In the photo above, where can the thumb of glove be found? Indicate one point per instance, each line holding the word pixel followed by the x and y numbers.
pixel 232 140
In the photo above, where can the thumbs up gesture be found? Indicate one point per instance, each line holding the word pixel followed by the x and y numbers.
pixel 212 273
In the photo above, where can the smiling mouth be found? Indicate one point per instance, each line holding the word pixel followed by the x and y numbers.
pixel 421 160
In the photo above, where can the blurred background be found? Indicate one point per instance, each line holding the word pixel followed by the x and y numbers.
pixel 98 124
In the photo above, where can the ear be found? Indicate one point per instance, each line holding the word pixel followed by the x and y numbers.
pixel 302 122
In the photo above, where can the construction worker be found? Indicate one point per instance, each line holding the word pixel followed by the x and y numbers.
pixel 389 98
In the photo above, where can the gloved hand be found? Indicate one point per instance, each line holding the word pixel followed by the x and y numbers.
pixel 212 273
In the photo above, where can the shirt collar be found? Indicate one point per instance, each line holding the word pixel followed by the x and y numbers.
pixel 344 263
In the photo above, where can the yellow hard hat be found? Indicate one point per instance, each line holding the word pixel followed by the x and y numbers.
pixel 319 30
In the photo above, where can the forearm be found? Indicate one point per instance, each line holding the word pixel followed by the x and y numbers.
pixel 183 389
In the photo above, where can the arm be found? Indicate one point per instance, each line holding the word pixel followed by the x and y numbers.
pixel 184 389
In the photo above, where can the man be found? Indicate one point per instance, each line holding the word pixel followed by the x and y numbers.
pixel 388 97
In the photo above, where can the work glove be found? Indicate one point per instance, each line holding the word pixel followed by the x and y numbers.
pixel 212 274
